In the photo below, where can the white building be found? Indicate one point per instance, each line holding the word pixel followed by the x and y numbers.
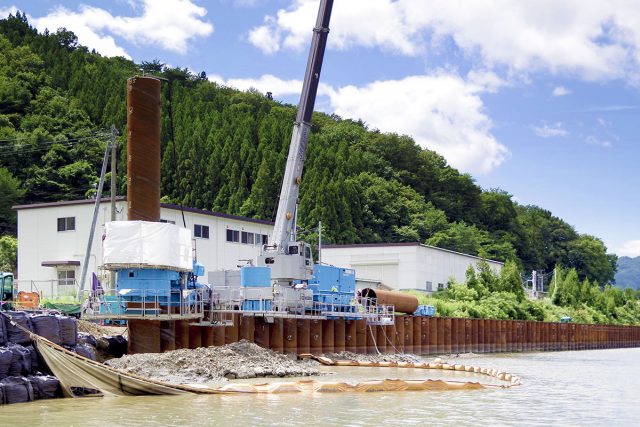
pixel 403 265
pixel 52 240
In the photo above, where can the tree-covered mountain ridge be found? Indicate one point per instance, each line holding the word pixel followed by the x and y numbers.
pixel 628 274
pixel 225 150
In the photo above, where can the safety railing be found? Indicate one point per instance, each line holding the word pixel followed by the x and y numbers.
pixel 49 288
pixel 149 304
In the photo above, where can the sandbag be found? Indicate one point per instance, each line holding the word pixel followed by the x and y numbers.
pixel 21 361
pixel 15 334
pixel 35 359
pixel 6 357
pixel 85 338
pixel 3 332
pixel 17 390
pixel 85 351
pixel 44 386
pixel 47 326
pixel 115 345
pixel 68 331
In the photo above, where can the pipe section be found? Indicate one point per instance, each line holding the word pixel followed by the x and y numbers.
pixel 403 303
pixel 143 149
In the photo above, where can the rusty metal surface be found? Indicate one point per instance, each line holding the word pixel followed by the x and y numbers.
pixel 315 338
pixel 143 149
pixel 403 303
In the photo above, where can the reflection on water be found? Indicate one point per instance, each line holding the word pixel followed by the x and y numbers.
pixel 566 388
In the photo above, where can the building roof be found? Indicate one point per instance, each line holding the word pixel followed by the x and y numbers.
pixel 374 245
pixel 163 205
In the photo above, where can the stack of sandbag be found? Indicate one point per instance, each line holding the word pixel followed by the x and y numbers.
pixel 68 331
pixel 16 390
pixel 85 350
pixel 3 333
pixel 44 386
pixel 15 334
pixel 22 375
pixel 47 326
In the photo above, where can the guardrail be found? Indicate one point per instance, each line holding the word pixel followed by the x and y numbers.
pixel 145 304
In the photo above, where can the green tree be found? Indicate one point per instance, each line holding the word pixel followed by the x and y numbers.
pixel 8 253
pixel 11 193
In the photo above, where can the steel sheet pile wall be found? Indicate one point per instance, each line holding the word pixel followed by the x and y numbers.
pixel 409 334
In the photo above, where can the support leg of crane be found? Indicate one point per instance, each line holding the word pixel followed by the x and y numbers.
pixel 144 336
pixel 182 333
pixel 327 336
pixel 315 331
pixel 167 335
pixel 261 334
pixel 304 336
pixel 338 335
pixel 350 336
pixel 290 334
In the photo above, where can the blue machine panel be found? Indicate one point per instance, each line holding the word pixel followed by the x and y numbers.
pixel 333 285
pixel 255 276
pixel 147 282
pixel 425 310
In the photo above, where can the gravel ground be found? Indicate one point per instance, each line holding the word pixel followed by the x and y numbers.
pixel 214 364
pixel 347 355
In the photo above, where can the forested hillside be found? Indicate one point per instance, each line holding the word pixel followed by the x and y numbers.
pixel 628 274
pixel 226 152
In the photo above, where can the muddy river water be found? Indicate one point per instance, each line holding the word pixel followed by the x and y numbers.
pixel 580 388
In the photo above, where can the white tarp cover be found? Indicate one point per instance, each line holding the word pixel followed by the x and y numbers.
pixel 153 244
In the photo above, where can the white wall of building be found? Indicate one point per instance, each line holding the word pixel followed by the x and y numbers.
pixel 40 241
pixel 403 266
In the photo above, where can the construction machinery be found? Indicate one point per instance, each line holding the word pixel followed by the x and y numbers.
pixel 289 259
pixel 8 294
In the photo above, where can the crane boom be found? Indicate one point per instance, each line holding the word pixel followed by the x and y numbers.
pixel 283 237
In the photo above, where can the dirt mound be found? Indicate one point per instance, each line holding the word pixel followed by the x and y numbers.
pixel 214 364
pixel 98 331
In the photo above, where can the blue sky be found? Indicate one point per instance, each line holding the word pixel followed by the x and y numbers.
pixel 539 98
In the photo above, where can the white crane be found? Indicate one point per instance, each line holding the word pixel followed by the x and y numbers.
pixel 289 259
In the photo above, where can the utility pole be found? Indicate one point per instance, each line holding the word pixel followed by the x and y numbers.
pixel 103 172
pixel 319 242
pixel 114 170
pixel 114 133
pixel 534 284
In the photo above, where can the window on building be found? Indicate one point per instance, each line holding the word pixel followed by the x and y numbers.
pixel 429 286
pixel 201 231
pixel 265 239
pixel 247 238
pixel 233 235
pixel 67 223
pixel 167 221
pixel 66 277
pixel 440 286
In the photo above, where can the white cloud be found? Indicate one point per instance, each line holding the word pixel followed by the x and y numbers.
pixel 547 131
pixel 6 11
pixel 441 112
pixel 266 83
pixel 264 39
pixel 595 40
pixel 560 91
pixel 592 140
pixel 630 249
pixel 170 24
